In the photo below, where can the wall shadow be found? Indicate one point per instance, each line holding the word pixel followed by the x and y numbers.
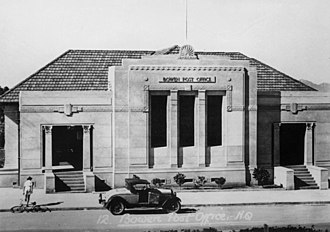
pixel 60 186
pixel 101 185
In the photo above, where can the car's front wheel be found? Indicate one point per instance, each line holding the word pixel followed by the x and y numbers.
pixel 173 206
pixel 116 207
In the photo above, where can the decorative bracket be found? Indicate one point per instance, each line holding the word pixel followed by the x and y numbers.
pixel 68 109
pixel 48 129
pixel 293 107
pixel 87 128
pixel 310 126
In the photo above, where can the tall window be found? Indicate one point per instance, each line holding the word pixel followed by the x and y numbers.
pixel 158 106
pixel 214 120
pixel 186 120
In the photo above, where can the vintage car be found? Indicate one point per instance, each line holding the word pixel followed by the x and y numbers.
pixel 138 193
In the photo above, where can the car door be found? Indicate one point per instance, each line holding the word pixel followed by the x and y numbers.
pixel 153 197
pixel 142 190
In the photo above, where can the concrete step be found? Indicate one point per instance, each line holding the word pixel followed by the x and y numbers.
pixel 77 189
pixel 309 182
pixel 301 172
pixel 68 174
pixel 73 181
pixel 309 187
pixel 304 179
pixel 296 166
pixel 76 185
pixel 307 177
pixel 71 177
pixel 299 169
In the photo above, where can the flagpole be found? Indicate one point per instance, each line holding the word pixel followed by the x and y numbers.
pixel 186 20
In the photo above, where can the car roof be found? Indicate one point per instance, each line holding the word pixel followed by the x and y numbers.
pixel 133 181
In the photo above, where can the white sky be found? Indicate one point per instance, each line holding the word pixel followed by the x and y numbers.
pixel 292 36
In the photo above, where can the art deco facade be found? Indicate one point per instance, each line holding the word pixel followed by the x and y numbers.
pixel 102 116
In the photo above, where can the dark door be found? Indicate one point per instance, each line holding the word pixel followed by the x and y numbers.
pixel 292 141
pixel 67 146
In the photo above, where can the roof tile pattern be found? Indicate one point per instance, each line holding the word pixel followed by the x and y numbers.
pixel 87 70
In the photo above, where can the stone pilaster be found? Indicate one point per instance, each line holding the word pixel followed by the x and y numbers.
pixel 202 128
pixel 49 181
pixel 48 149
pixel 87 148
pixel 308 156
pixel 277 144
pixel 174 128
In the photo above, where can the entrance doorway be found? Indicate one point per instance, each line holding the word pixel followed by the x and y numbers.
pixel 292 144
pixel 67 146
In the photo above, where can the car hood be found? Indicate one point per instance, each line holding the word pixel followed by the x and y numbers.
pixel 117 191
pixel 165 191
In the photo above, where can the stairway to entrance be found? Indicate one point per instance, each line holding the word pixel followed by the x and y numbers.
pixel 302 177
pixel 72 181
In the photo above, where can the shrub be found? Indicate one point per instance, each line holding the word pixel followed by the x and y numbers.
pixel 179 178
pixel 200 181
pixel 261 175
pixel 220 181
pixel 157 182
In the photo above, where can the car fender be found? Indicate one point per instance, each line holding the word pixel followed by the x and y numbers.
pixel 171 199
pixel 116 198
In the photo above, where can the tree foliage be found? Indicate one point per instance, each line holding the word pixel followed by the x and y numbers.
pixel 3 90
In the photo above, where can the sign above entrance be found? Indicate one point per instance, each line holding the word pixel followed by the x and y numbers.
pixel 205 79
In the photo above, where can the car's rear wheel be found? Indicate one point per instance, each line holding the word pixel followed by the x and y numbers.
pixel 116 207
pixel 173 206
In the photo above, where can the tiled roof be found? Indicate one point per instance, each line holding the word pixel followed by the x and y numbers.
pixel 86 70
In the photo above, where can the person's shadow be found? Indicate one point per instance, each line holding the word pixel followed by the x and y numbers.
pixel 50 204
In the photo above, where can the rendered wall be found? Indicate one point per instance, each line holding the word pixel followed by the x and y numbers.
pixel 268 113
pixel 11 136
pixel 312 107
pixel 48 108
pixel 9 173
pixel 293 107
pixel 131 84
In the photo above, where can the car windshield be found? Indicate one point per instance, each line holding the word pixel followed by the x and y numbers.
pixel 136 184
pixel 141 186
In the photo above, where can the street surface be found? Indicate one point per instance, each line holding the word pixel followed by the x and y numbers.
pixel 221 218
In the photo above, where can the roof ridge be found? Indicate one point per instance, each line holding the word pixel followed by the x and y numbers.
pixel 109 50
pixel 274 69
pixel 220 52
pixel 95 68
pixel 166 51
pixel 33 74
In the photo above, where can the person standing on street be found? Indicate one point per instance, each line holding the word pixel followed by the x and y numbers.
pixel 28 189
